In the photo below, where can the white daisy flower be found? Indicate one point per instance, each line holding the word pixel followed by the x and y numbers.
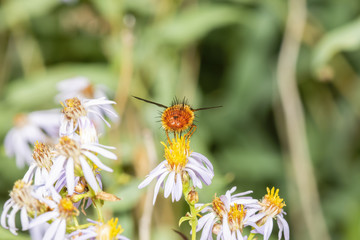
pixel 108 230
pixel 271 207
pixel 78 160
pixel 227 216
pixel 82 88
pixel 75 108
pixel 62 209
pixel 40 167
pixel 35 126
pixel 179 162
pixel 21 199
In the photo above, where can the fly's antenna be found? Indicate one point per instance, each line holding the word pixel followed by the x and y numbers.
pixel 205 108
pixel 148 101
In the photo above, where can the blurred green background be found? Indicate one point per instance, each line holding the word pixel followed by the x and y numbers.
pixel 213 52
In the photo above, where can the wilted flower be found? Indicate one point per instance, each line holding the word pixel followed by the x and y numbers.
pixel 109 230
pixel 178 162
pixel 21 199
pixel 35 126
pixel 74 109
pixel 40 167
pixel 227 216
pixel 74 159
pixel 271 207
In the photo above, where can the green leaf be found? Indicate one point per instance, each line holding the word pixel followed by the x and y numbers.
pixel 183 219
pixel 16 11
pixel 195 23
pixel 344 38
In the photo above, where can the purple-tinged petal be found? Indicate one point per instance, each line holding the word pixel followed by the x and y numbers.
pixel 158 184
pixel 150 177
pixel 55 170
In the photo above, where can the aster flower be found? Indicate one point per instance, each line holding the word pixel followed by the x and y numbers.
pixel 40 125
pixel 40 167
pixel 75 108
pixel 227 216
pixel 76 160
pixel 21 199
pixel 109 230
pixel 82 88
pixel 62 209
pixel 179 161
pixel 271 207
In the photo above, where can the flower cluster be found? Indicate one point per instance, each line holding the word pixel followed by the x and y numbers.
pixel 64 168
pixel 183 171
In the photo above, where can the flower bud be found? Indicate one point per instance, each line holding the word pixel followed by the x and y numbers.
pixel 193 197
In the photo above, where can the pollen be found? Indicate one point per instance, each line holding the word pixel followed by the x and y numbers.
pixel 110 230
pixel 67 208
pixel 68 147
pixel 177 152
pixel 218 206
pixel 272 204
pixel 21 194
pixel 43 155
pixel 73 109
pixel 236 217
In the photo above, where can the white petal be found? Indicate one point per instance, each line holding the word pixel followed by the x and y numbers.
pixel 52 230
pixel 97 161
pixel 55 170
pixel 24 219
pixel 268 226
pixel 70 183
pixel 8 204
pixel 61 230
pixel 99 150
pixel 89 175
pixel 169 184
pixel 43 218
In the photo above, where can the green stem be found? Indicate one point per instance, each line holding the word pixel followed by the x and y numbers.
pixel 193 221
pixel 251 236
pixel 74 228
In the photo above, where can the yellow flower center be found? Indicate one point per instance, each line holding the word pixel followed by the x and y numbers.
pixel 236 217
pixel 218 206
pixel 272 204
pixel 177 153
pixel 109 231
pixel 42 155
pixel 67 208
pixel 68 147
pixel 73 109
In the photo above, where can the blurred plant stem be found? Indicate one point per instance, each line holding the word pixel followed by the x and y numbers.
pixel 126 63
pixel 145 220
pixel 29 51
pixel 295 123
